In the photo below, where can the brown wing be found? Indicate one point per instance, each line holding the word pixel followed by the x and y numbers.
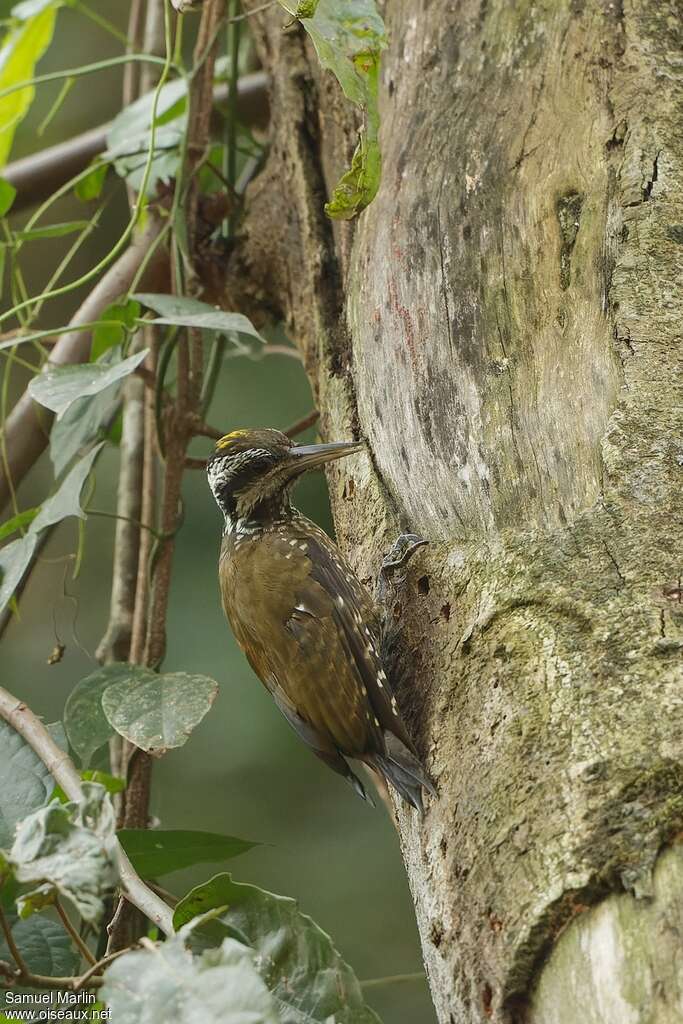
pixel 310 632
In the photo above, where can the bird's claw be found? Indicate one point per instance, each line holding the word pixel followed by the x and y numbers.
pixel 403 549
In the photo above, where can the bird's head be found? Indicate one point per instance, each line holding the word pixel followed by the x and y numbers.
pixel 251 472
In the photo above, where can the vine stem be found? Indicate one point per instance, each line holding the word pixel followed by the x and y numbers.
pixel 73 934
pixel 393 979
pixel 63 771
pixel 86 69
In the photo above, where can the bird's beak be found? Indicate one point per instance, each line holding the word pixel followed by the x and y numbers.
pixel 310 456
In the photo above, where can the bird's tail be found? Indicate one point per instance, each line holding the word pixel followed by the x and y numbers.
pixel 401 768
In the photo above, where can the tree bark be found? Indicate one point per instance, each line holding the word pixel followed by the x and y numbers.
pixel 503 325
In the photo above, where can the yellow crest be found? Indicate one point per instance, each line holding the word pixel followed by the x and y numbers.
pixel 227 439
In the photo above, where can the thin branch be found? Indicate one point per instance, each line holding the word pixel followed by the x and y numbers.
pixel 97 968
pixel 115 645
pixel 73 934
pixel 303 424
pixel 22 966
pixel 149 488
pixel 64 772
pixel 201 429
pixel 282 350
pixel 68 984
pixel 131 72
pixel 37 176
pixel 393 979
pixel 204 430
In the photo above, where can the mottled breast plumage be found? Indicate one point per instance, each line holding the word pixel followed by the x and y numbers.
pixel 310 631
pixel 307 625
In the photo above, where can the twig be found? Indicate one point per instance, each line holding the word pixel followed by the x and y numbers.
pixel 68 984
pixel 252 12
pixel 27 428
pixel 97 968
pixel 192 463
pixel 115 644
pixel 137 644
pixel 131 72
pixel 11 944
pixel 282 350
pixel 73 934
pixel 62 769
pixel 302 424
pixel 204 430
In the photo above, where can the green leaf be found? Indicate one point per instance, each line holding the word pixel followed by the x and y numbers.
pixel 25 782
pixel 112 784
pixel 51 230
pixel 306 8
pixel 358 186
pixel 90 187
pixel 84 422
pixel 155 852
pixel 69 850
pixel 22 47
pixel 117 321
pixel 15 558
pixel 58 388
pixel 16 522
pixel 183 312
pixel 348 38
pixel 167 983
pixel 67 499
pixel 158 712
pixel 7 196
pixel 309 980
pixel 44 945
pixel 84 720
pixel 153 711
pixel 87 419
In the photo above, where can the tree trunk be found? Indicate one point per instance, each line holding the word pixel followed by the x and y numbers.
pixel 503 325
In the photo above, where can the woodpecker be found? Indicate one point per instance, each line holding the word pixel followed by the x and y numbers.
pixel 309 628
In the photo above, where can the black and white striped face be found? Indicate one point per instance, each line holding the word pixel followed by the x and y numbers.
pixel 252 472
pixel 248 468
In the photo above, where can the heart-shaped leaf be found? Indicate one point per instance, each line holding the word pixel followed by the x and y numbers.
pixel 309 980
pixel 86 724
pixel 157 712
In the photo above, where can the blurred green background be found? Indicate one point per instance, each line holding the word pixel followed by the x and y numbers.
pixel 243 771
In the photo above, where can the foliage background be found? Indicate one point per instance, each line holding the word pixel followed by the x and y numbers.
pixel 243 771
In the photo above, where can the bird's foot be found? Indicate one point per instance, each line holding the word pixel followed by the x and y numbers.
pixel 395 562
